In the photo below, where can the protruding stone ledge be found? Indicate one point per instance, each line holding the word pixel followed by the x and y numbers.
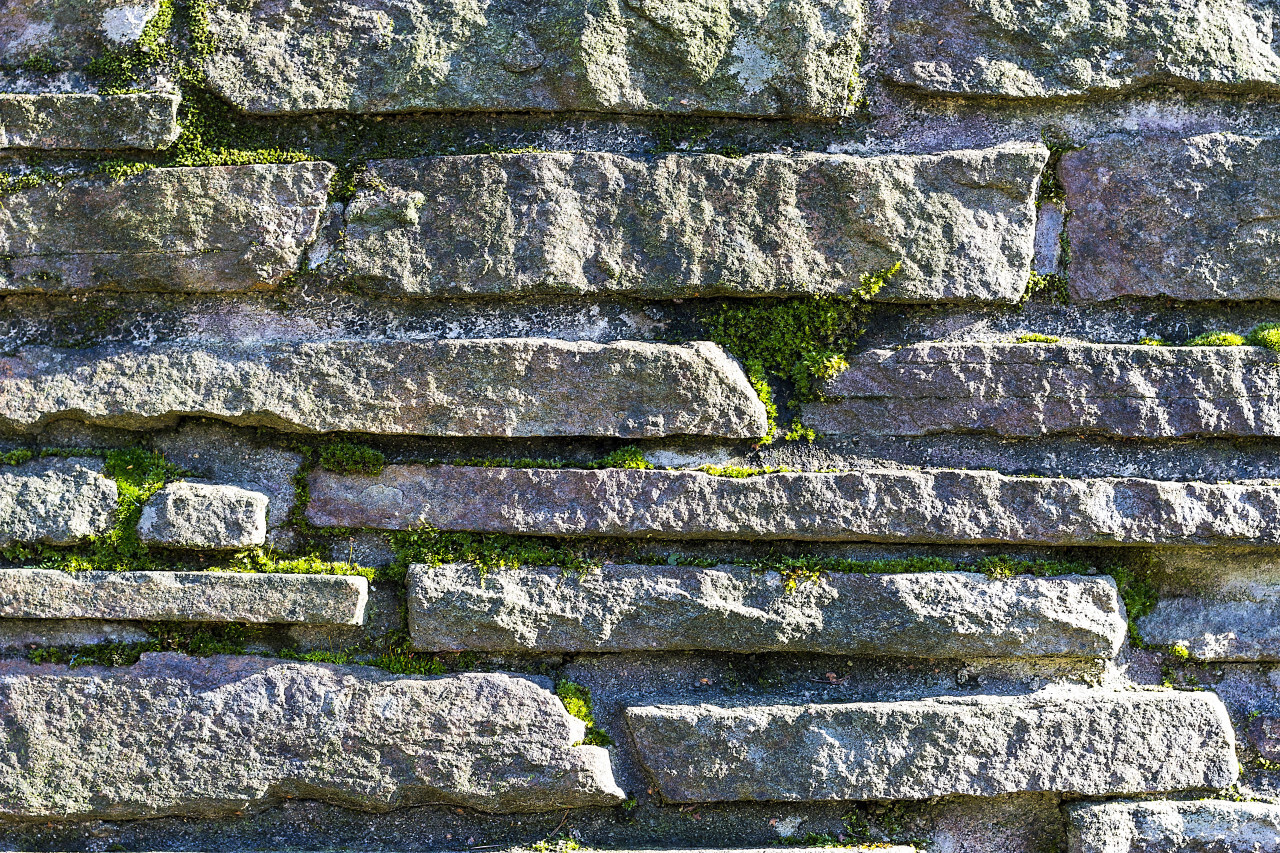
pixel 733 609
pixel 488 387
pixel 1037 389
pixel 183 597
pixel 876 505
pixel 202 515
pixel 961 223
pixel 1196 826
pixel 182 736
pixel 88 122
pixel 220 228
pixel 1077 741
pixel 55 501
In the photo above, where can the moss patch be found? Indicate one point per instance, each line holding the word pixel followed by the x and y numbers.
pixel 1036 338
pixel 577 701
pixel 345 457
pixel 1217 339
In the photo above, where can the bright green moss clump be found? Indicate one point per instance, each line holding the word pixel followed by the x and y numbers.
pixel 345 457
pixel 577 701
pixel 1265 335
pixel 488 551
pixel 16 457
pixel 1037 338
pixel 1217 339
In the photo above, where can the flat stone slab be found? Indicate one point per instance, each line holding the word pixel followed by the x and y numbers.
pixel 201 737
pixel 1156 826
pixel 202 515
pixel 70 33
pixel 1058 48
pixel 493 387
pixel 1187 218
pixel 875 505
pixel 1065 740
pixel 201 229
pixel 961 223
pixel 1227 629
pixel 1043 389
pixel 797 58
pixel 55 501
pixel 146 121
pixel 183 596
pixel 455 607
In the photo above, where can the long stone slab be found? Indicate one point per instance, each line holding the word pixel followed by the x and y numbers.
pixel 733 609
pixel 70 33
pixel 1189 218
pixel 55 501
pixel 147 121
pixel 219 228
pixel 1162 826
pixel 175 735
pixel 775 58
pixel 1060 48
pixel 183 596
pixel 1079 741
pixel 1043 389
pixel 961 223
pixel 469 387
pixel 876 505
pixel 1235 628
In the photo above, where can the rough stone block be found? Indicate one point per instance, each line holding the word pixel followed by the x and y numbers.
pixel 55 501
pixel 69 33
pixel 1198 826
pixel 200 515
pixel 88 121
pixel 1242 629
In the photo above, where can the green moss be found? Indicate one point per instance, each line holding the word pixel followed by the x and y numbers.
pixel 39 63
pixel 117 71
pixel 345 457
pixel 1217 339
pixel 488 551
pixel 624 457
pixel 259 560
pixel 737 472
pixel 182 637
pixel 1265 335
pixel 16 457
pixel 1036 338
pixel 1053 286
pixel 1154 342
pixel 577 701
pixel 11 183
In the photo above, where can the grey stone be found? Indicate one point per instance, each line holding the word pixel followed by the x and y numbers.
pixel 1212 628
pixel 183 596
pixel 1050 220
pixel 1198 826
pixel 185 736
pixel 733 609
pixel 877 505
pixel 88 121
pixel 1068 740
pixel 961 223
pixel 774 58
pixel 201 515
pixel 69 33
pixel 1044 389
pixel 220 228
pixel 55 501
pixel 497 387
pixel 21 635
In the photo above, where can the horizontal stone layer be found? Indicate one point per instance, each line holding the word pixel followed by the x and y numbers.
pixel 733 609
pixel 878 505
pixel 183 596
pixel 494 387
pixel 55 501
pixel 961 223
pixel 1037 389
pixel 219 228
pixel 1067 740
pixel 185 736
pixel 70 33
pixel 1236 628
pixel 201 515
pixel 1197 826
pixel 145 121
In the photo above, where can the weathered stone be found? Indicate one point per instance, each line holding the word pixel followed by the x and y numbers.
pixel 69 33
pixel 1037 389
pixel 497 387
pixel 1217 629
pixel 733 609
pixel 1188 218
pixel 186 736
pixel 1197 826
pixel 1061 48
pixel 200 515
pixel 961 223
pixel 183 596
pixel 55 501
pixel 222 228
pixel 878 505
pixel 775 58
pixel 88 121
pixel 1060 740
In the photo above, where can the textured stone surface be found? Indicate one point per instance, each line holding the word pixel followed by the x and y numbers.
pixel 69 33
pixel 778 57
pixel 183 596
pixel 500 387
pixel 222 228
pixel 22 635
pixel 1189 218
pixel 1062 48
pixel 55 501
pixel 201 515
pixel 1039 389
pixel 1200 826
pixel 733 609
pixel 961 223
pixel 88 121
pixel 1236 628
pixel 1079 741
pixel 176 735
pixel 882 505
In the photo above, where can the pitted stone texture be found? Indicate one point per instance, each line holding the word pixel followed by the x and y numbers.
pixel 55 501
pixel 1039 389
pixel 1059 740
pixel 200 515
pixel 1197 826
pixel 183 596
pixel 773 58
pixel 1061 48
pixel 494 387
pixel 1231 628
pixel 961 223
pixel 70 33
pixel 88 121
pixel 877 505
pixel 1188 218
pixel 220 228
pixel 182 736
pixel 733 609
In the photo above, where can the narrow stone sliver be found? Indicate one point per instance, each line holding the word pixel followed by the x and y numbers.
pixel 146 120
pixel 1199 825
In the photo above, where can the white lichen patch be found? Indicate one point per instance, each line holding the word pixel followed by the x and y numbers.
pixel 754 67
pixel 123 25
